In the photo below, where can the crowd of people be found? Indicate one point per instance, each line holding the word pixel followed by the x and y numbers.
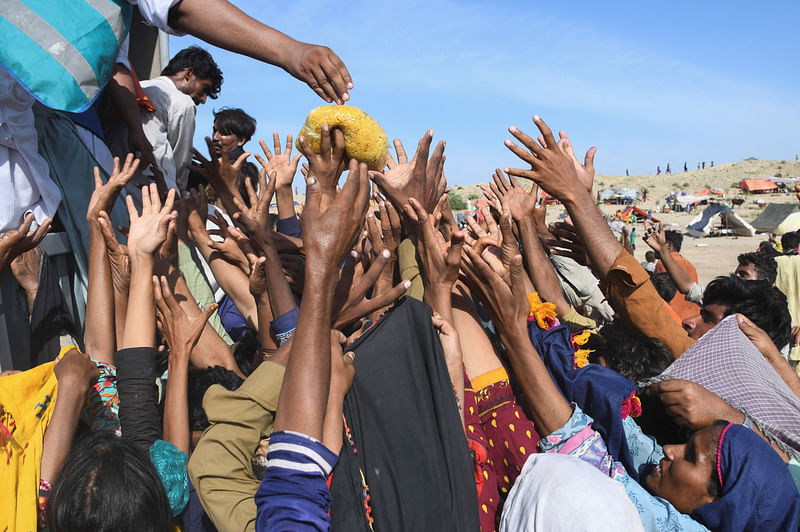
pixel 362 361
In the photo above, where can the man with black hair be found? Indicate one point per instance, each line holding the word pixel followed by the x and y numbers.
pixel 790 243
pixel 760 302
pixel 679 303
pixel 187 81
pixel 232 129
pixel 756 266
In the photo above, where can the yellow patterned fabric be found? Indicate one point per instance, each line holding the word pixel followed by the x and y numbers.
pixel 27 400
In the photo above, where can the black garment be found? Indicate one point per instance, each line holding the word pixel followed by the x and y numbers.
pixel 139 415
pixel 50 316
pixel 409 443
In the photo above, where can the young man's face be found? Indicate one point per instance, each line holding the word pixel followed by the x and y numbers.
pixel 225 141
pixel 709 316
pixel 747 272
pixel 196 88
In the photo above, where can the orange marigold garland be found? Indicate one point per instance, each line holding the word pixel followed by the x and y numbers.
pixel 542 312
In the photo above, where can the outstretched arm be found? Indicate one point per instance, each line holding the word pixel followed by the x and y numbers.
pixel 327 236
pixel 655 238
pixel 222 24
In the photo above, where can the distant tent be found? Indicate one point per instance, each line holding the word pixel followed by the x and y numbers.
pixel 638 213
pixel 758 185
pixel 719 220
pixel 773 216
pixel 789 225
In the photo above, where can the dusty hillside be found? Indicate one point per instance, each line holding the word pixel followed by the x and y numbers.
pixel 723 176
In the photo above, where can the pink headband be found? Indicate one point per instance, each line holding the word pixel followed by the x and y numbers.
pixel 719 453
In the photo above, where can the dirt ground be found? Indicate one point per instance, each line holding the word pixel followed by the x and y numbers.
pixel 712 256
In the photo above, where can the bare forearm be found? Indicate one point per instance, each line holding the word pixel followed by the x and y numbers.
pixel 123 92
pixel 285 201
pixel 222 24
pixel 550 410
pixel 265 317
pixel 304 395
pixel 332 426
pixel 99 335
pixel 211 350
pixel 678 274
pixel 603 248
pixel 281 299
pixel 176 406
pixel 140 325
pixel 540 269
pixel 61 431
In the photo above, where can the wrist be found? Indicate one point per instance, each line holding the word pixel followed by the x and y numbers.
pixel 578 199
pixel 72 387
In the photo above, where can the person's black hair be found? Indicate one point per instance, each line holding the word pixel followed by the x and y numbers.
pixel 766 267
pixel 108 484
pixel 199 382
pixel 675 238
pixel 631 354
pixel 234 121
pixel 202 64
pixel 760 302
pixel 767 249
pixel 664 285
pixel 248 171
pixel 790 241
pixel 649 254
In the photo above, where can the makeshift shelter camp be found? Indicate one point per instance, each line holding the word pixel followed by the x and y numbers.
pixel 619 195
pixel 774 216
pixel 719 220
pixel 700 198
pixel 758 186
pixel 639 214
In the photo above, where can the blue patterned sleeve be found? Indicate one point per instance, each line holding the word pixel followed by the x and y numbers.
pixel 643 448
pixel 294 494
pixel 578 438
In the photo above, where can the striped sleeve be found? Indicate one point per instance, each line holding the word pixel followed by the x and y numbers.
pixel 294 493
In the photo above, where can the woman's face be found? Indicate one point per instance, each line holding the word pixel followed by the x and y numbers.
pixel 684 474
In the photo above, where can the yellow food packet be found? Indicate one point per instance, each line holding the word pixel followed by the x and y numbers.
pixel 364 138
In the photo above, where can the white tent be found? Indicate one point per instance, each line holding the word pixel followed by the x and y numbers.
pixel 719 220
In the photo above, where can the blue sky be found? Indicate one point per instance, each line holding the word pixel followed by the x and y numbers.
pixel 647 84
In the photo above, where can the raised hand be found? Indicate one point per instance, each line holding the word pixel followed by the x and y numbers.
pixel 75 369
pixel 17 241
pixel 440 268
pixel 105 194
pixel 585 171
pixel 329 234
pixel 567 243
pixel 180 332
pixel 149 230
pixel 386 232
pixel 326 166
pixel 118 257
pixel 282 166
pixel 227 249
pixel 508 305
pixel 219 172
pixel 655 237
pixel 690 405
pixel 256 217
pixel 426 183
pixel 321 69
pixel 551 166
pixel 357 303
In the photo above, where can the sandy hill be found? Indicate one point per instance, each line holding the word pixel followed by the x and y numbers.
pixel 723 176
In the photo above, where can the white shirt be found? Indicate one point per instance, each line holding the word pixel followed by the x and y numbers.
pixel 25 184
pixel 170 128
